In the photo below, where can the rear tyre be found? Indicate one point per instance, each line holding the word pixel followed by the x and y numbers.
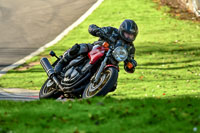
pixel 106 83
pixel 48 90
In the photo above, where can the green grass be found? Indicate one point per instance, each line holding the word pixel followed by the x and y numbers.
pixel 167 51
pixel 161 96
pixel 102 115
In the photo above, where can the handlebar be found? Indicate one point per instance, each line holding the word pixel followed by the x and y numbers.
pixel 110 40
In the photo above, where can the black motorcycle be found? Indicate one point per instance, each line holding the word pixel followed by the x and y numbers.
pixel 94 74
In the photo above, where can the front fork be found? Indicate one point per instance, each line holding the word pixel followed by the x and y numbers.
pixel 103 64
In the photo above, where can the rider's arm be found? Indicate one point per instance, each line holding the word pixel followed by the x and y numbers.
pixel 93 29
pixel 130 63
pixel 96 31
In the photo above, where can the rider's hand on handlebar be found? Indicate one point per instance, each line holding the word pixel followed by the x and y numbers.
pixel 131 64
pixel 134 62
pixel 100 33
pixel 103 35
pixel 112 39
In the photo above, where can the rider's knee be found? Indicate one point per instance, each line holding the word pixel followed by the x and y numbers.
pixel 78 49
pixel 85 48
pixel 74 50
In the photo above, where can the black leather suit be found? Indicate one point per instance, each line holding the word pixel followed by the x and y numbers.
pixel 111 31
pixel 79 49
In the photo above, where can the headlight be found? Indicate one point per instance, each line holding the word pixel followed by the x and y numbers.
pixel 120 53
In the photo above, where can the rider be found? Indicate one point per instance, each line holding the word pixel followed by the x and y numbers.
pixel 127 32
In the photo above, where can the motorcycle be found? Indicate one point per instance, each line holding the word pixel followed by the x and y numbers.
pixel 86 76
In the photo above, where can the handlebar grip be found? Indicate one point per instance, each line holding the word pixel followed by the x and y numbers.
pixel 102 34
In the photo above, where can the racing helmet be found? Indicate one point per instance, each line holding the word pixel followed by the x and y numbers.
pixel 128 30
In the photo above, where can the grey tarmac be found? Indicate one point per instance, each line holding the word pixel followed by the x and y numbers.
pixel 27 25
pixel 18 94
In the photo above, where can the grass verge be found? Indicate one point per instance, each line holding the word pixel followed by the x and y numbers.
pixel 161 96
pixel 102 115
pixel 167 51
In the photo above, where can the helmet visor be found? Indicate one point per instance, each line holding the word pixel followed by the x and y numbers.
pixel 128 36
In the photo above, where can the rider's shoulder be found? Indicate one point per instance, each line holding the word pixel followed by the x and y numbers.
pixel 109 28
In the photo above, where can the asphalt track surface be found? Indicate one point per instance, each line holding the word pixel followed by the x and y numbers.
pixel 27 25
pixel 18 94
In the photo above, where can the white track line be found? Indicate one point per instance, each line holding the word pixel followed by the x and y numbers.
pixel 57 39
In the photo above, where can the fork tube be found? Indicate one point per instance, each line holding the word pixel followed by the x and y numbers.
pixel 102 66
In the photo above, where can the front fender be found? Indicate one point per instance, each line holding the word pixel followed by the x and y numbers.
pixel 111 65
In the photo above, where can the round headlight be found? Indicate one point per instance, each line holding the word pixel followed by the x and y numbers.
pixel 120 53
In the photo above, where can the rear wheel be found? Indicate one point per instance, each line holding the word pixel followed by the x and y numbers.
pixel 106 82
pixel 48 90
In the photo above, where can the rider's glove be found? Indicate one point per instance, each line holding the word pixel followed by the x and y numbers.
pixel 93 29
pixel 100 33
pixel 134 62
pixel 130 66
pixel 112 39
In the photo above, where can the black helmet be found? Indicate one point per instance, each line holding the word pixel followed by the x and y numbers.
pixel 128 30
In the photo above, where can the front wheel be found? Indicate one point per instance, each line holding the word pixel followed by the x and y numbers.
pixel 48 90
pixel 106 82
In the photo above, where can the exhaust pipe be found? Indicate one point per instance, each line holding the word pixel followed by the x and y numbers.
pixel 47 67
pixel 50 71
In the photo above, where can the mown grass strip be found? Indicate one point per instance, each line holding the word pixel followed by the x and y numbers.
pixel 102 115
pixel 167 51
pixel 162 95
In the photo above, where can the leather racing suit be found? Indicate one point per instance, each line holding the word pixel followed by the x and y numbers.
pixel 79 49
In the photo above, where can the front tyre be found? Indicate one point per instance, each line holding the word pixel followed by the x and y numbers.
pixel 48 90
pixel 107 81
